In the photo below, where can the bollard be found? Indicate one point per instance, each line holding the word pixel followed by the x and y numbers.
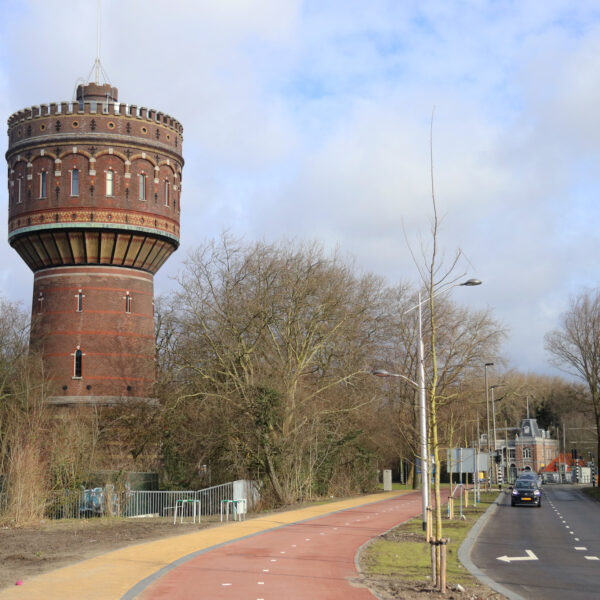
pixel 466 498
pixel 387 480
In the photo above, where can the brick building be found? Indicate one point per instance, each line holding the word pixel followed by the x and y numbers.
pixel 94 190
pixel 527 448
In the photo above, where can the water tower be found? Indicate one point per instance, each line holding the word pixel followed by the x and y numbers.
pixel 94 189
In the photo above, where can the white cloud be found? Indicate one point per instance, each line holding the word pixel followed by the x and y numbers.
pixel 311 120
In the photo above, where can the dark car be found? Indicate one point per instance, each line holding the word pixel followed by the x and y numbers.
pixel 526 492
pixel 531 476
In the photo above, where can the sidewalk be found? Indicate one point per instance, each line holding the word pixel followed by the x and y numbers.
pixel 110 576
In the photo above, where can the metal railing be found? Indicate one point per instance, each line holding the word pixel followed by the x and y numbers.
pixel 108 501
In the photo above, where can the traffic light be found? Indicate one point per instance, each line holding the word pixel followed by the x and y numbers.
pixel 574 453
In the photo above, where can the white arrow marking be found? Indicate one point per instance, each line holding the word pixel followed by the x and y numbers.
pixel 508 559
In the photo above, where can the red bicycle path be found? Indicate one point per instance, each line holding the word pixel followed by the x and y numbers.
pixel 313 559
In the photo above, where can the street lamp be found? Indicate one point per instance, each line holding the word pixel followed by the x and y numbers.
pixel 492 388
pixel 423 422
pixel 421 388
pixel 487 412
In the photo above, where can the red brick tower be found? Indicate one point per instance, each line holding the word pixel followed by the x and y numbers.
pixel 94 191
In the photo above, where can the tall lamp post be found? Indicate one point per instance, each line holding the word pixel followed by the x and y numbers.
pixel 487 412
pixel 492 388
pixel 422 401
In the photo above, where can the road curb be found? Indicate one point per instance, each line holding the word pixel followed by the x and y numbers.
pixel 464 554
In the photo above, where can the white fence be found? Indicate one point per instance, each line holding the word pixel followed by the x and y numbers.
pixel 132 503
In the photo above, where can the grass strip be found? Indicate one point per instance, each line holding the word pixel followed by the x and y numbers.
pixel 402 554
pixel 592 492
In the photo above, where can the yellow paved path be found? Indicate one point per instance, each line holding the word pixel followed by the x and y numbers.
pixel 109 576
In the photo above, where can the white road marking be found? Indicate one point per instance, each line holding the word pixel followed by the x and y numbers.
pixel 225 584
pixel 592 558
pixel 260 582
pixel 265 570
pixel 508 559
pixel 571 533
pixel 273 560
pixel 282 552
pixel 576 539
pixel 293 545
pixel 580 548
pixel 567 527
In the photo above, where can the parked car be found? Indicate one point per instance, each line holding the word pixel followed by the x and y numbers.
pixel 526 491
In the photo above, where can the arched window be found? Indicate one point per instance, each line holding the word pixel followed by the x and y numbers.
pixel 526 452
pixel 142 186
pixel 75 182
pixel 77 363
pixel 110 182
pixel 127 303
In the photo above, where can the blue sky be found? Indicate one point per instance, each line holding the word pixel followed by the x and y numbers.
pixel 311 120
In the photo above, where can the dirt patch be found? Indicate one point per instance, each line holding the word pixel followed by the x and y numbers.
pixel 388 588
pixel 29 551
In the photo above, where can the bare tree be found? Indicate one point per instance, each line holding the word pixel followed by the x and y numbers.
pixel 273 339
pixel 575 348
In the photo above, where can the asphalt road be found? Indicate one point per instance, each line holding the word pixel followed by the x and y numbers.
pixel 548 552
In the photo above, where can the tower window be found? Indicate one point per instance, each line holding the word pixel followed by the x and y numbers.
pixel 110 182
pixel 142 186
pixel 127 303
pixel 79 297
pixel 43 184
pixel 19 190
pixel 166 193
pixel 526 452
pixel 77 363
pixel 75 182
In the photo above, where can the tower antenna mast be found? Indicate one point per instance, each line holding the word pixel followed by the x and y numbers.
pixel 97 64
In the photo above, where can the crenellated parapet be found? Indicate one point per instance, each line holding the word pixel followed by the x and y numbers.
pixel 95 108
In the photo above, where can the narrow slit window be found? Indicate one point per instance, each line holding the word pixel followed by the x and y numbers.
pixel 110 182
pixel 142 186
pixel 79 301
pixel 19 191
pixel 78 364
pixel 75 182
pixel 43 184
pixel 127 303
pixel 166 193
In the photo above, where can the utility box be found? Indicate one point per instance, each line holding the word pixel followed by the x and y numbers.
pixel 387 480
